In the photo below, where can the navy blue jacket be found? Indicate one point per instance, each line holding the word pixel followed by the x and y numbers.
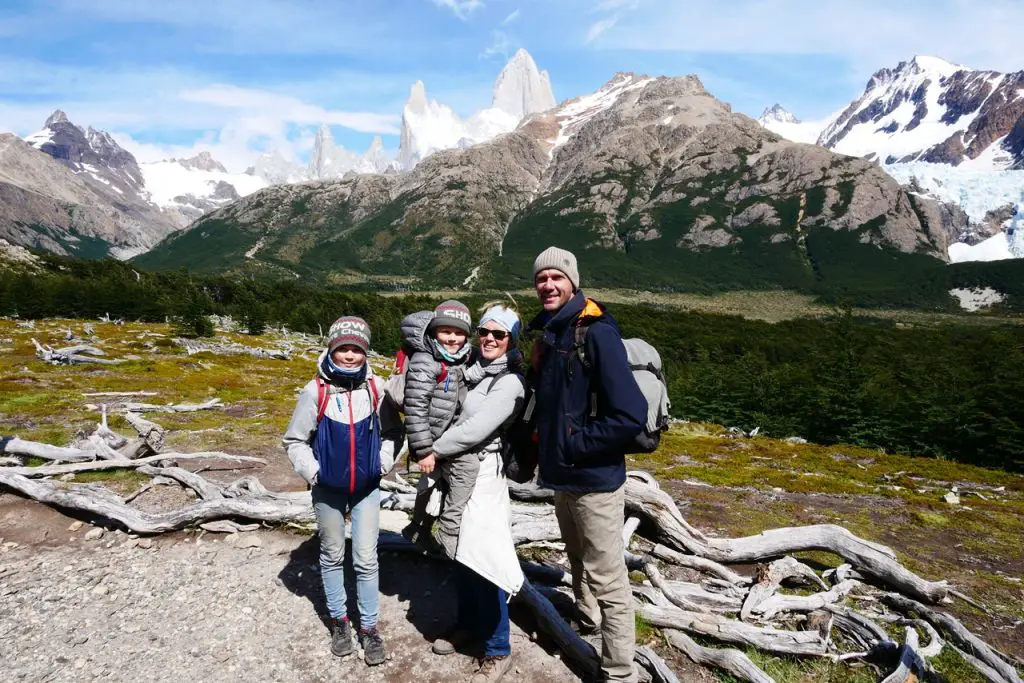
pixel 581 453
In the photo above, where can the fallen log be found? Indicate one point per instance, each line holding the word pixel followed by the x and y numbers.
pixel 205 489
pixel 803 643
pixel 73 355
pixel 217 348
pixel 701 564
pixel 731 661
pixel 12 445
pixel 576 650
pixel 76 467
pixel 151 434
pixel 171 408
pixel 803 603
pixel 85 498
pixel 655 665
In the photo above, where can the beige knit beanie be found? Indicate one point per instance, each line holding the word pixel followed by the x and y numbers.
pixel 559 259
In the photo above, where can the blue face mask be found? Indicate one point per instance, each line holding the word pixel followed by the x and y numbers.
pixel 343 375
pixel 452 357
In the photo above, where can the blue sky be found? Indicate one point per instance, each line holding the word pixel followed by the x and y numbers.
pixel 238 76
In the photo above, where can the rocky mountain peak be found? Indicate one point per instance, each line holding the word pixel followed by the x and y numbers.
pixel 203 161
pixel 777 114
pixel 417 102
pixel 58 116
pixel 521 88
pixel 275 169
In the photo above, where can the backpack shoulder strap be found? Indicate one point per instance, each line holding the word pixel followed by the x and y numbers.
pixel 323 397
pixel 443 374
pixel 374 393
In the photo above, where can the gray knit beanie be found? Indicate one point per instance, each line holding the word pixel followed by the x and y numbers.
pixel 349 330
pixel 559 259
pixel 453 314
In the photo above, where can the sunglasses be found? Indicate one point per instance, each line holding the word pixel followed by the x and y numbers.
pixel 499 335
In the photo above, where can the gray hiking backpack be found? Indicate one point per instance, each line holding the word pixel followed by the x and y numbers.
pixel 645 362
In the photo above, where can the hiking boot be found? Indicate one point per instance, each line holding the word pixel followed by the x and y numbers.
pixel 450 643
pixel 444 544
pixel 492 669
pixel 583 628
pixel 341 638
pixel 373 646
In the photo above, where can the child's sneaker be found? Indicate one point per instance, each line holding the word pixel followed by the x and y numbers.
pixel 373 646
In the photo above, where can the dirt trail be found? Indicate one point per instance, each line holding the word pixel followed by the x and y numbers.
pixel 204 609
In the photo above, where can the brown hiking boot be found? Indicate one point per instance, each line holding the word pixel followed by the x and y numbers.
pixel 492 669
pixel 450 643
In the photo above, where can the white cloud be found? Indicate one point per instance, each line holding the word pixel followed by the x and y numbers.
pixel 461 8
pixel 599 27
pixel 511 17
pixel 871 33
pixel 500 46
pixel 608 5
pixel 262 103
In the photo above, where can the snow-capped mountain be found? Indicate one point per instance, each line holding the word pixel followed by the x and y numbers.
pixel 776 119
pixel 428 126
pixel 92 153
pixel 272 167
pixel 331 161
pixel 179 189
pixel 521 89
pixel 930 110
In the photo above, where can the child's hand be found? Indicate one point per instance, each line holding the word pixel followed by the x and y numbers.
pixel 427 464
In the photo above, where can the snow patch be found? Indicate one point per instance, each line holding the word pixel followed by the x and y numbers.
pixel 40 138
pixel 976 298
pixel 995 248
pixel 572 116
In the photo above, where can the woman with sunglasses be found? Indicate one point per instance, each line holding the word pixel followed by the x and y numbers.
pixel 487 569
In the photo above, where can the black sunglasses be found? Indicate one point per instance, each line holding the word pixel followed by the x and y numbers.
pixel 499 335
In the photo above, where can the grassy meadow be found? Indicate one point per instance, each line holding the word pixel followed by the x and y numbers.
pixel 726 484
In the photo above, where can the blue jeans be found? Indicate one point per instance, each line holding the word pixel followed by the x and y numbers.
pixel 482 611
pixel 330 506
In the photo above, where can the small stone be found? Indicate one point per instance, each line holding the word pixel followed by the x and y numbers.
pixel 246 540
pixel 145 543
pixel 94 534
pixel 952 498
pixel 75 526
pixel 100 590
pixel 70 476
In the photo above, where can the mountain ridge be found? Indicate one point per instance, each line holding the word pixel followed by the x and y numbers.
pixel 644 178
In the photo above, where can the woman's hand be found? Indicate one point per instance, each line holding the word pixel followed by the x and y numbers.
pixel 427 464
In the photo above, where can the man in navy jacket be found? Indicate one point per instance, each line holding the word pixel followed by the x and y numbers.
pixel 589 410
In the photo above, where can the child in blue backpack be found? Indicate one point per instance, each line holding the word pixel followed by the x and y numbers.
pixel 342 439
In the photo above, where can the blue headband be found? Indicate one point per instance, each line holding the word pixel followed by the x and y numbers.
pixel 506 317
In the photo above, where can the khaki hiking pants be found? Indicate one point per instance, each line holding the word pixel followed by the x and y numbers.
pixel 591 526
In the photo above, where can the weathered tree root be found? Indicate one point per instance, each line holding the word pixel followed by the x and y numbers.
pixel 957 633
